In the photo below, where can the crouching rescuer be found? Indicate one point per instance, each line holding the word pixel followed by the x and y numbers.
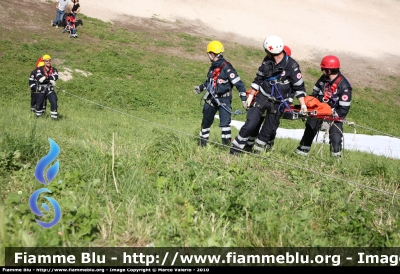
pixel 46 77
pixel 218 86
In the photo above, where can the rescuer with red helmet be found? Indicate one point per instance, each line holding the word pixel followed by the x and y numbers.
pixel 332 88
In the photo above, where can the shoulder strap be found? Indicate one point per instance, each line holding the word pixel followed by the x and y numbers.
pixel 336 83
pixel 218 70
pixel 223 65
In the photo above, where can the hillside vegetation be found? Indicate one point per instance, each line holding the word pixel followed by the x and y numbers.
pixel 130 171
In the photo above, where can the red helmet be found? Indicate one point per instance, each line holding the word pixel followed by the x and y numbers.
pixel 330 62
pixel 287 50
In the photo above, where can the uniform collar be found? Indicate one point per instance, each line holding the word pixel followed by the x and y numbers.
pixel 218 62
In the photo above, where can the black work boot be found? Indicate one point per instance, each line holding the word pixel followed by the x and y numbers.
pixel 226 141
pixel 202 142
pixel 302 151
pixel 248 148
pixel 269 146
pixel 336 151
pixel 235 151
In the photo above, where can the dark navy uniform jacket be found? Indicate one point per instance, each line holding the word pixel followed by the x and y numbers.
pixel 228 78
pixel 286 75
pixel 32 80
pixel 51 75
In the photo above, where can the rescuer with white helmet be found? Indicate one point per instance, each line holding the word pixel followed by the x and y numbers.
pixel 277 81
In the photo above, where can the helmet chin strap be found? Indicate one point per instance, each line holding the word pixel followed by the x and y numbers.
pixel 210 55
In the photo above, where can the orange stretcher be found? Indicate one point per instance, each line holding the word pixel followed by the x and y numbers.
pixel 315 109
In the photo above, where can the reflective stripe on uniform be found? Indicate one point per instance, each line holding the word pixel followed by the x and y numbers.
pixel 345 104
pixel 236 144
pixel 261 143
pixel 205 133
pixel 251 140
pixel 298 83
pixel 234 81
pixel 283 82
pixel 226 132
pixel 255 86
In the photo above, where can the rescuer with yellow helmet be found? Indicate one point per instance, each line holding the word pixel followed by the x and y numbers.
pixel 46 77
pixel 221 78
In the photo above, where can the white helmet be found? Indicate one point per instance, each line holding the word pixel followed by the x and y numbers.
pixel 273 44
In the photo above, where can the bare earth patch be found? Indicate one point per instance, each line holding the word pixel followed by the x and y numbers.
pixel 363 34
pixel 364 38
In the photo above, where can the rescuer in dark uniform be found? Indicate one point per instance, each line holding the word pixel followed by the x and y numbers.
pixel 277 81
pixel 332 88
pixel 220 80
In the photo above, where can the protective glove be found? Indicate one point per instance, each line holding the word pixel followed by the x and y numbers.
pixel 196 90
pixel 303 109
pixel 42 79
pixel 244 103
pixel 249 100
pixel 53 83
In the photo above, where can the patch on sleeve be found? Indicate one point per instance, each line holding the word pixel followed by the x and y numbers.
pixel 232 75
pixel 345 97
pixel 346 90
pixel 283 73
pixel 298 75
pixel 296 69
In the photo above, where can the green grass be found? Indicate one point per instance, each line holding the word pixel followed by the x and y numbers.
pixel 131 172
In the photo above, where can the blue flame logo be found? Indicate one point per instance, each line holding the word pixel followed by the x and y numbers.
pixel 50 174
pixel 53 170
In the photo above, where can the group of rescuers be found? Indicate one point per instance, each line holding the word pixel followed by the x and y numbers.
pixel 277 81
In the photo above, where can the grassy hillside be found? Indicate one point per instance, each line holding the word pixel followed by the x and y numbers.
pixel 131 173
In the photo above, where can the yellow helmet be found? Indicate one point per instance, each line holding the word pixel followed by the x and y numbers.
pixel 215 47
pixel 46 57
